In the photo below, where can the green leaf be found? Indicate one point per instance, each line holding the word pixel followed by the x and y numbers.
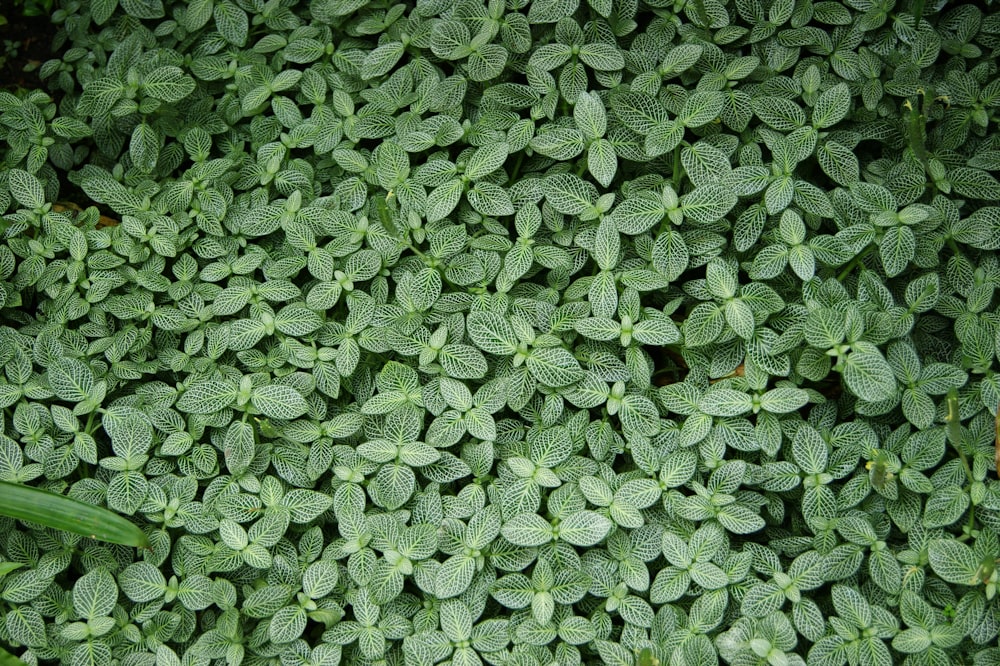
pixel 487 62
pixel 809 450
pixel 832 106
pixel 287 624
pixel 974 183
pixel 825 328
pixel 953 561
pixel 868 374
pixel 279 402
pixel 781 114
pixel 680 58
pixel 142 582
pixel 168 84
pixel 392 486
pixel 454 576
pixel 583 528
pixel 71 380
pixel 207 397
pixel 783 400
pixel 945 506
pixel 528 529
pixel 590 115
pixel 701 108
pixel 554 366
pixel 725 402
pixel 560 143
pixel 602 161
pixel 486 160
pixel 670 254
pixel 443 200
pixel 490 199
pixel 26 626
pixel 704 164
pixel 639 112
pixel 297 319
pixel 239 447
pixel 569 194
pixel 450 40
pixel 602 56
pixel 95 594
pixel 703 325
pixel 492 333
pixel 462 362
pixel 663 138
pixel 305 505
pixel 897 249
pixel 26 188
pixel 379 61
pixel 740 318
pixel 637 215
pixel 144 147
pixel 707 204
pixel 607 245
pixel 838 162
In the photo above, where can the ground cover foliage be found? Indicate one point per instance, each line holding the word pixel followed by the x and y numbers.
pixel 514 333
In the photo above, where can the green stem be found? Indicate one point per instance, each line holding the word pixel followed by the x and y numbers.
pixel 412 248
pixel 953 419
pixel 855 262
pixel 439 269
pixel 915 137
pixel 918 12
pixel 255 427
pixel 664 225
pixel 517 168
pixel 699 8
pixel 678 172
pixel 385 217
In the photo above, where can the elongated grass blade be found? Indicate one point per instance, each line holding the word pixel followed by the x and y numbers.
pixel 65 513
pixel 7 659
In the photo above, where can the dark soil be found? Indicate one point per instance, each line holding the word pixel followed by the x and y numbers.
pixel 34 35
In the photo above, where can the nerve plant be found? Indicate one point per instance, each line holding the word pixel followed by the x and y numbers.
pixel 655 332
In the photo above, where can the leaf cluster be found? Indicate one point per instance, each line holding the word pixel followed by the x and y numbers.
pixel 517 333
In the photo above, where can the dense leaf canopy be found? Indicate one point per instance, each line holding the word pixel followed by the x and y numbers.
pixel 520 333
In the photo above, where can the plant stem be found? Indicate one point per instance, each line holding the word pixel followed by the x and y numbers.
pixel 385 217
pixel 413 248
pixel 915 137
pixel 953 419
pixel 855 262
pixel 918 12
pixel 517 168
pixel 678 173
pixel 699 8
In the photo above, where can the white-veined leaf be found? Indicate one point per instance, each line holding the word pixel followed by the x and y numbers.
pixel 279 402
pixel 583 528
pixel 707 204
